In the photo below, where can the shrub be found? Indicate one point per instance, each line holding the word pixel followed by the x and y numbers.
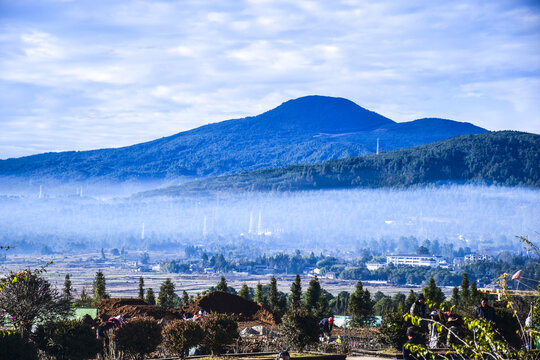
pixel 71 340
pixel 179 336
pixel 299 328
pixel 13 346
pixel 393 329
pixel 219 330
pixel 138 337
pixel 508 326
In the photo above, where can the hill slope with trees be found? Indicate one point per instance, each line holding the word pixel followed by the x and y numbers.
pixel 500 158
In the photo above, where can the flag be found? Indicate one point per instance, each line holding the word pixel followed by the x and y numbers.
pixel 516 275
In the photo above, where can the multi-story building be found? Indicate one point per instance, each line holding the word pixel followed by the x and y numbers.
pixel 415 260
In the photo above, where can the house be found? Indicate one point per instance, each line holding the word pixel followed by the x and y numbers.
pixel 414 260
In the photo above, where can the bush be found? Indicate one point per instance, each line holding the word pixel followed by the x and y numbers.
pixel 219 330
pixel 393 329
pixel 13 346
pixel 508 326
pixel 71 340
pixel 138 337
pixel 299 329
pixel 179 336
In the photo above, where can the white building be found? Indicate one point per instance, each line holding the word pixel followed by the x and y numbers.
pixel 475 257
pixel 374 266
pixel 414 260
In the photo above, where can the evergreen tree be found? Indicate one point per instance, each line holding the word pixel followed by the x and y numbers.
pixel 150 297
pixel 185 298
pixel 296 293
pixel 398 302
pixel 454 300
pixel 259 296
pixel 411 299
pixel 340 303
pixel 360 305
pixel 67 289
pixel 141 288
pixel 313 293
pixel 166 294
pixel 273 294
pixel 244 292
pixel 84 299
pixel 464 294
pixel 322 309
pixel 474 294
pixel 99 287
pixel 222 285
pixel 432 292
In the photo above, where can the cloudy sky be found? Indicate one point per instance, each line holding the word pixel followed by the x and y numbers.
pixel 77 75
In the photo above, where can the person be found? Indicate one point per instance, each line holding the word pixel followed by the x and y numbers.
pixel 484 311
pixel 283 355
pixel 326 326
pixel 412 339
pixel 455 324
pixel 432 327
pixel 419 307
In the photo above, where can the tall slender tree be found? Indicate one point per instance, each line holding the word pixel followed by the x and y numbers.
pixel 185 298
pixel 273 294
pixel 166 294
pixel 313 293
pixel 244 292
pixel 432 292
pixel 67 289
pixel 141 288
pixel 360 305
pixel 259 295
pixel 296 293
pixel 454 300
pixel 150 297
pixel 222 285
pixel 465 294
pixel 99 287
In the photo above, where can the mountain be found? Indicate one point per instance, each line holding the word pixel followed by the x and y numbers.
pixel 306 130
pixel 495 158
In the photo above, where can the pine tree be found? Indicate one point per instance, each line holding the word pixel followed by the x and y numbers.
pixel 296 293
pixel 411 299
pixel 150 297
pixel 67 289
pixel 166 294
pixel 313 293
pixel 454 300
pixel 464 294
pixel 474 294
pixel 99 287
pixel 85 299
pixel 322 310
pixel 141 288
pixel 244 292
pixel 273 294
pixel 185 298
pixel 259 296
pixel 360 305
pixel 222 285
pixel 432 292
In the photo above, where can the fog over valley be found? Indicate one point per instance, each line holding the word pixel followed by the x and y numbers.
pixel 334 221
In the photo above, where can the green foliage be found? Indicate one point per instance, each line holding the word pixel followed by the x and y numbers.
pixel 340 303
pixel 138 337
pixel 185 297
pixel 150 297
pixel 433 293
pixel 67 340
pixel 536 309
pixel 465 294
pixel 259 296
pixel 383 306
pixel 312 296
pixel 166 294
pixel 508 326
pixel 13 346
pixel 296 293
pixel 360 305
pixel 180 335
pixel 454 300
pixel 299 329
pixel 220 330
pixel 140 294
pixel 392 330
pixel 67 289
pixel 273 295
pixel 84 299
pixel 222 285
pixel 99 287
pixel 244 292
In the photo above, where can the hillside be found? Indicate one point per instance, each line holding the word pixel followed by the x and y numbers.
pixel 306 130
pixel 502 158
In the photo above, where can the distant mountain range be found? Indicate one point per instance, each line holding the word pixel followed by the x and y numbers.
pixel 496 158
pixel 307 130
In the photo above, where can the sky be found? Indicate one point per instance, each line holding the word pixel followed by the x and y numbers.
pixel 79 75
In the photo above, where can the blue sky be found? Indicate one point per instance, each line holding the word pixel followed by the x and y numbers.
pixel 78 75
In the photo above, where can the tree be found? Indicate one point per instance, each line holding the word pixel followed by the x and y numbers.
pixel 273 294
pixel 138 337
pixel 220 330
pixel 464 294
pixel 296 293
pixel 31 299
pixel 340 303
pixel 313 293
pixel 322 309
pixel 411 299
pixel 299 328
pixel 259 296
pixel 454 300
pixel 166 294
pixel 185 297
pixel 244 292
pixel 141 288
pixel 360 305
pixel 67 289
pixel 99 287
pixel 222 285
pixel 180 335
pixel 150 297
pixel 432 292
pixel 474 294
